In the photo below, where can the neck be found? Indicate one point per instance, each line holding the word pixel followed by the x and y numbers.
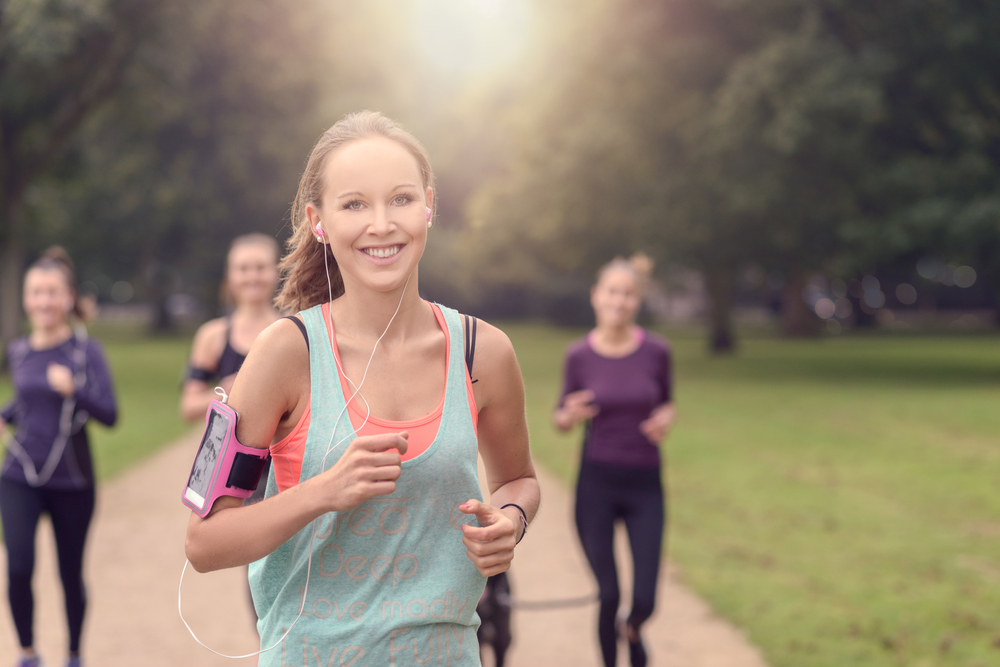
pixel 362 313
pixel 614 334
pixel 45 337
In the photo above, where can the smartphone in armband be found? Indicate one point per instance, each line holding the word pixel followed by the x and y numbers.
pixel 222 466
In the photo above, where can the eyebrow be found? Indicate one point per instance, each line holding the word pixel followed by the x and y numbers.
pixel 355 192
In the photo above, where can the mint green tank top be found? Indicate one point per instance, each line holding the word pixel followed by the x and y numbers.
pixel 391 584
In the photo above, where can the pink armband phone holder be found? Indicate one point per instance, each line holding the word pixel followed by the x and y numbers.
pixel 222 466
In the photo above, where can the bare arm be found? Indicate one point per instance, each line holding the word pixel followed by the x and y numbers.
pixel 503 444
pixel 206 349
pixel 270 393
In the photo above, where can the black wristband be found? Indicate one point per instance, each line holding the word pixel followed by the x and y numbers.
pixel 524 520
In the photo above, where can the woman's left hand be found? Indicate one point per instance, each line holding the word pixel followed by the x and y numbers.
pixel 490 545
pixel 60 379
pixel 656 427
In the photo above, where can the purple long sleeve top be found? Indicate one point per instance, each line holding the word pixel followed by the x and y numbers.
pixel 34 412
pixel 626 390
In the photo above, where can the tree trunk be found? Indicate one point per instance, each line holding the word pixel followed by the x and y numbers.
pixel 719 282
pixel 797 318
pixel 11 267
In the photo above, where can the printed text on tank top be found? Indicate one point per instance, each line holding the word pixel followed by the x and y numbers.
pixel 287 453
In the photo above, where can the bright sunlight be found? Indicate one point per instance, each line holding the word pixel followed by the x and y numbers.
pixel 472 36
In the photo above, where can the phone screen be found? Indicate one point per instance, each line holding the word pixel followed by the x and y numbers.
pixel 200 480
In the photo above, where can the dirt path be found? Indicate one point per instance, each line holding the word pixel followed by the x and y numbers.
pixel 136 552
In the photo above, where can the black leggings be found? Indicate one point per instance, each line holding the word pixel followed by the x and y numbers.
pixel 21 506
pixel 604 494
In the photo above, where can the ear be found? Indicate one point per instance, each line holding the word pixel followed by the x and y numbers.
pixel 429 196
pixel 313 218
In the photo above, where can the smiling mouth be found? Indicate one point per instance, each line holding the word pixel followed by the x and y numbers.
pixel 382 253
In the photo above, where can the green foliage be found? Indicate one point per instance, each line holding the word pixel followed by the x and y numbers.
pixel 796 135
pixel 203 141
pixel 835 498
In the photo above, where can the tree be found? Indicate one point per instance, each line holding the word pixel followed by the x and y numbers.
pixel 797 135
pixel 200 139
pixel 60 62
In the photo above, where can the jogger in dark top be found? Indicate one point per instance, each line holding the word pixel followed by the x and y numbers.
pixel 61 379
pixel 618 381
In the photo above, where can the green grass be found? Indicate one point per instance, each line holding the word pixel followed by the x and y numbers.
pixel 837 498
pixel 147 374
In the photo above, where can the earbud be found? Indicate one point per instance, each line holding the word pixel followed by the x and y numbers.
pixel 319 232
pixel 430 214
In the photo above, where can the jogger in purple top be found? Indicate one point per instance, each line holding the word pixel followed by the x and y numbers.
pixel 618 382
pixel 61 379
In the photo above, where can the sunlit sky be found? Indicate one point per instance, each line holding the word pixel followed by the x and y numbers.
pixel 472 36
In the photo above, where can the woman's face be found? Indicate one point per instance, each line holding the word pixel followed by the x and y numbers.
pixel 374 212
pixel 615 298
pixel 47 298
pixel 252 273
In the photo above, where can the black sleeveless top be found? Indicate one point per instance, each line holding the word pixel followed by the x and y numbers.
pixel 231 361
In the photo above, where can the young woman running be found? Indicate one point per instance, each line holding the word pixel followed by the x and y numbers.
pixel 372 539
pixel 61 379
pixel 617 380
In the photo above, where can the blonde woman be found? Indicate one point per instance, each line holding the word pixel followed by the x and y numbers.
pixel 373 544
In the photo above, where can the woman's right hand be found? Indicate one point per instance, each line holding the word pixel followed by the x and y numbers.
pixel 370 467
pixel 577 406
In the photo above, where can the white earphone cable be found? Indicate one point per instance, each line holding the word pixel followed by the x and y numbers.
pixel 330 448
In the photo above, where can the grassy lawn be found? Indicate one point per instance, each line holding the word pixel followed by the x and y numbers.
pixel 837 498
pixel 147 374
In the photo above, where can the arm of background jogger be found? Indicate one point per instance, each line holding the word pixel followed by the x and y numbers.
pixel 576 407
pixel 658 424
pixel 97 396
pixel 661 419
pixel 206 349
pixel 503 444
pixel 576 403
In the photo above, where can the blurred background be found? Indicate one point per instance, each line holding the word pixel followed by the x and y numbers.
pixel 818 182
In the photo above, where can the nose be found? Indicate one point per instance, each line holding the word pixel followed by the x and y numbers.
pixel 381 225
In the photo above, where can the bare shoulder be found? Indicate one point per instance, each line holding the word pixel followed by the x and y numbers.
pixel 209 341
pixel 494 351
pixel 272 383
pixel 279 344
pixel 498 375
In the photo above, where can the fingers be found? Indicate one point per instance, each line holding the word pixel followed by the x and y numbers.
pixel 484 513
pixel 490 548
pixel 493 524
pixel 653 430
pixel 491 563
pixel 383 442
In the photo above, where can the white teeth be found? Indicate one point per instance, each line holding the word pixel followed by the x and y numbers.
pixel 382 252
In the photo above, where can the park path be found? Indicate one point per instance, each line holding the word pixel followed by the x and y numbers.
pixel 136 552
